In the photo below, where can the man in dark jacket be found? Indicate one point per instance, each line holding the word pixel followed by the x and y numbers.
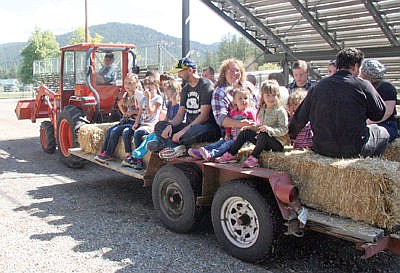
pixel 338 108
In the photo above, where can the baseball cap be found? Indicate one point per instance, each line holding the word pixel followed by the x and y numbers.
pixel 183 64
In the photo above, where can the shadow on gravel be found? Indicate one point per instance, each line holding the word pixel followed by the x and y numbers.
pixel 112 216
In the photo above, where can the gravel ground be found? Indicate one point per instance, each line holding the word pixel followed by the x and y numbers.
pixel 55 219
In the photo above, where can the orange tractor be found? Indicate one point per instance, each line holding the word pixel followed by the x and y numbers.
pixel 79 98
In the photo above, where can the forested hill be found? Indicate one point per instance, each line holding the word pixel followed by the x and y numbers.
pixel 113 32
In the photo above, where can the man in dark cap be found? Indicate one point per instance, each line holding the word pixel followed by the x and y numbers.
pixel 338 108
pixel 195 105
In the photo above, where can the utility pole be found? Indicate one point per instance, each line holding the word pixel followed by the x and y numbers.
pixel 86 23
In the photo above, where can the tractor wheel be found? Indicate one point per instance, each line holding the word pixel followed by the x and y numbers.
pixel 247 225
pixel 67 125
pixel 47 138
pixel 174 192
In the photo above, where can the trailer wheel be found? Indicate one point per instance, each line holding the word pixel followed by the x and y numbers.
pixel 47 138
pixel 245 223
pixel 67 124
pixel 174 192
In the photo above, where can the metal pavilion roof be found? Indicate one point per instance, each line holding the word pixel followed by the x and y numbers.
pixel 315 30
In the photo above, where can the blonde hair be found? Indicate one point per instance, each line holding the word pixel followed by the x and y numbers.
pixel 225 66
pixel 175 87
pixel 132 76
pixel 269 87
pixel 296 97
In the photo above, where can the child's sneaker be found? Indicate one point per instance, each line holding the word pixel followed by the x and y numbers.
pixel 206 155
pixel 102 157
pixel 194 153
pixel 172 153
pixel 138 165
pixel 129 161
pixel 250 162
pixel 226 158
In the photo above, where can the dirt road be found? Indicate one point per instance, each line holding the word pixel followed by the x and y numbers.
pixel 56 219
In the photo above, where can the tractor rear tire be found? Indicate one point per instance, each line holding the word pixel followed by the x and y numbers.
pixel 174 192
pixel 246 223
pixel 68 123
pixel 47 138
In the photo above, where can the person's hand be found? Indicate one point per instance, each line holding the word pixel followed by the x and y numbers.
pixel 167 132
pixel 244 128
pixel 177 136
pixel 134 126
pixel 263 128
pixel 146 93
pixel 247 122
pixel 227 137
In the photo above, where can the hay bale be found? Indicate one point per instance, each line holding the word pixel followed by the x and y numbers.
pixel 364 189
pixel 90 138
pixel 392 151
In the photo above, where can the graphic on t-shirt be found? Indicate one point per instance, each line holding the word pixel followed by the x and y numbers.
pixel 193 103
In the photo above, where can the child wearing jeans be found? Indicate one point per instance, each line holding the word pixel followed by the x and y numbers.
pixel 128 106
pixel 271 134
pixel 304 139
pixel 242 110
pixel 172 89
pixel 149 112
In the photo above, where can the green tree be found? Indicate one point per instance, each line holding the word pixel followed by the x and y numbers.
pixel 41 45
pixel 78 36
pixel 232 46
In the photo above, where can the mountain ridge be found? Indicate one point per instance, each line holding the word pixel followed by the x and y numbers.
pixel 114 32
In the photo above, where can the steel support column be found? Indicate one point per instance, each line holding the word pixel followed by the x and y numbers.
pixel 185 28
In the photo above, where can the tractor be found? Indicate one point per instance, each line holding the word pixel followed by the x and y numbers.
pixel 75 97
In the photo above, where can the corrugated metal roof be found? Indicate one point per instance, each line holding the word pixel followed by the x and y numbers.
pixel 314 30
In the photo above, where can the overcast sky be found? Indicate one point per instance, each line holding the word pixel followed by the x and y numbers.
pixel 18 18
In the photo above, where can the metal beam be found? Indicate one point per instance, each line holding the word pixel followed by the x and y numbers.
pixel 266 31
pixel 370 52
pixel 307 15
pixel 381 22
pixel 185 28
pixel 235 25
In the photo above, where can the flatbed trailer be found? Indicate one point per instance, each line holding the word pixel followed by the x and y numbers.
pixel 251 209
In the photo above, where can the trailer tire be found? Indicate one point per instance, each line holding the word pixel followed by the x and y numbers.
pixel 174 192
pixel 47 138
pixel 67 125
pixel 245 222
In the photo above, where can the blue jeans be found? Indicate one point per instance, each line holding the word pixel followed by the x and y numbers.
pixel 138 136
pixel 112 137
pixel 205 132
pixel 220 147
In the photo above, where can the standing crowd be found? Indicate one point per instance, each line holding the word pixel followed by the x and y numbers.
pixel 349 113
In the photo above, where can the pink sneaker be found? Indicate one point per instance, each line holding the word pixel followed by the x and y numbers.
pixel 226 158
pixel 194 153
pixel 250 162
pixel 205 154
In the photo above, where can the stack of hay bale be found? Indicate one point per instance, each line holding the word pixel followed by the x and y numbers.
pixel 363 189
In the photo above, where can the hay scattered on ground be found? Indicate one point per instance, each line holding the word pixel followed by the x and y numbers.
pixel 364 189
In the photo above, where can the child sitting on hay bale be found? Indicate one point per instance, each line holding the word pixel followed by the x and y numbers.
pixel 304 139
pixel 272 134
pixel 242 110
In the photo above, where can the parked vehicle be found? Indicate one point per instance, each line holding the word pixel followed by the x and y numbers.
pixel 10 85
